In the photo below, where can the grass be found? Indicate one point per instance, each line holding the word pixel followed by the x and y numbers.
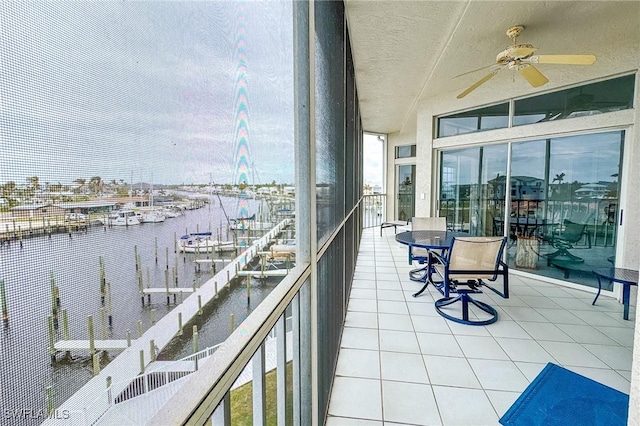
pixel 242 403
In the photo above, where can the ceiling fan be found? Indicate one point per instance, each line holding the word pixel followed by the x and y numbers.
pixel 520 57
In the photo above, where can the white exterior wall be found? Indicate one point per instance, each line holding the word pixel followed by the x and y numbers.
pixel 394 140
pixel 629 237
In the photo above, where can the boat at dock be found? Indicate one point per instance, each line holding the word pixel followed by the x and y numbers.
pixel 202 242
pixel 124 218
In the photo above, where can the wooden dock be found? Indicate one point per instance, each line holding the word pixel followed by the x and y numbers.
pixel 99 345
pixel 90 402
pixel 264 274
pixel 170 290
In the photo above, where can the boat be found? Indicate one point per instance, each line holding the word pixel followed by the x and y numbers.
pixel 124 218
pixel 249 223
pixel 202 242
pixel 153 216
pixel 170 212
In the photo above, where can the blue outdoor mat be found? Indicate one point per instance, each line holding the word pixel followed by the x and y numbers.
pixel 558 396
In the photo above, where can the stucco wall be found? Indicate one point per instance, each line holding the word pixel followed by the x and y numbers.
pixel 629 237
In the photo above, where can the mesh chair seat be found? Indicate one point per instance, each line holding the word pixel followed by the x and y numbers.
pixel 469 264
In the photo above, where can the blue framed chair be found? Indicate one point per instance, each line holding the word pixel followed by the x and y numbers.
pixel 420 255
pixel 469 264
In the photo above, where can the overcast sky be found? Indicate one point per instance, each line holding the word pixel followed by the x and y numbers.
pixel 149 89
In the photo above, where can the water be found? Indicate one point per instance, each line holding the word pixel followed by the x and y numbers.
pixel 25 366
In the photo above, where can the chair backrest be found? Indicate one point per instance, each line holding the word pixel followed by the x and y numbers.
pixel 572 231
pixel 475 254
pixel 429 224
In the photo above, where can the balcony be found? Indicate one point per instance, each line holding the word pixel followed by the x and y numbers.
pixel 400 362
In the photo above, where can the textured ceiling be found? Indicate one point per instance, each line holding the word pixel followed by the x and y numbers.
pixel 407 50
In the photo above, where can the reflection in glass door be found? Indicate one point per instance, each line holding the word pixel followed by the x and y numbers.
pixel 405 182
pixel 564 206
pixel 459 189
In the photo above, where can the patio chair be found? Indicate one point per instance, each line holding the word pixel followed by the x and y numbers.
pixel 420 255
pixel 570 235
pixel 469 264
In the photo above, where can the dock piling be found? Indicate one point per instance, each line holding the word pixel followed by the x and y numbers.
pixel 109 310
pixel 232 323
pixel 139 328
pixel 54 305
pixel 153 316
pixel 141 361
pixel 3 302
pixel 199 305
pixel 52 349
pixel 152 350
pixel 128 338
pixel 92 344
pixel 96 364
pixel 109 396
pixel 103 324
pixel 179 323
pixel 50 400
pixel 155 246
pixel 65 325
pixel 196 345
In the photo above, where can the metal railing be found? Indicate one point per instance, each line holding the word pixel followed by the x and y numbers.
pixel 374 210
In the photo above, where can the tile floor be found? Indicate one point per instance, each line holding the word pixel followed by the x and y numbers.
pixel 402 363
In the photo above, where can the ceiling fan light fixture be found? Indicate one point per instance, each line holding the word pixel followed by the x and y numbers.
pixel 519 57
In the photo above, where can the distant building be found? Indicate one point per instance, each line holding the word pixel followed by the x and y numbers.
pixel 36 211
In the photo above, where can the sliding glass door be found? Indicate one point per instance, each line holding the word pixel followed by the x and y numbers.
pixel 560 207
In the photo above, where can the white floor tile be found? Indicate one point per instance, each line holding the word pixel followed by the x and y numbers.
pixel 396 295
pixel 560 316
pixel 431 325
pixel 545 331
pixel 607 377
pixel 409 403
pixel 363 293
pixel 616 357
pixel 439 344
pixel 361 319
pixel 481 347
pixel 363 305
pixel 359 398
pixel 572 354
pixel 586 334
pixel 403 367
pixel 502 400
pixel 358 363
pixel 343 421
pixel 530 369
pixel 504 328
pixel 395 322
pixel 450 371
pixel 463 406
pixel 399 341
pixel 499 375
pixel 359 338
pixel 392 307
pixel 525 350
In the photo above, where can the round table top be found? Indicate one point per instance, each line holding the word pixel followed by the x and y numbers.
pixel 618 274
pixel 428 239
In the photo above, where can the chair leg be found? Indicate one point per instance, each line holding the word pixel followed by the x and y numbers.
pixel 465 299
pixel 564 252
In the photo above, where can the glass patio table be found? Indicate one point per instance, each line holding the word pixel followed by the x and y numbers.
pixel 626 277
pixel 429 240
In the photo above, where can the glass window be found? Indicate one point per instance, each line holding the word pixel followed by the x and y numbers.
pixel 405 151
pixel 590 99
pixel 492 117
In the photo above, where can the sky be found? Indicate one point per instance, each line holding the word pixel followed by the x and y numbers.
pixel 161 92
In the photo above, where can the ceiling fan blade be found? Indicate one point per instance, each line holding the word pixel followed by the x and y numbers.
pixel 523 52
pixel 478 83
pixel 472 71
pixel 533 76
pixel 563 59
